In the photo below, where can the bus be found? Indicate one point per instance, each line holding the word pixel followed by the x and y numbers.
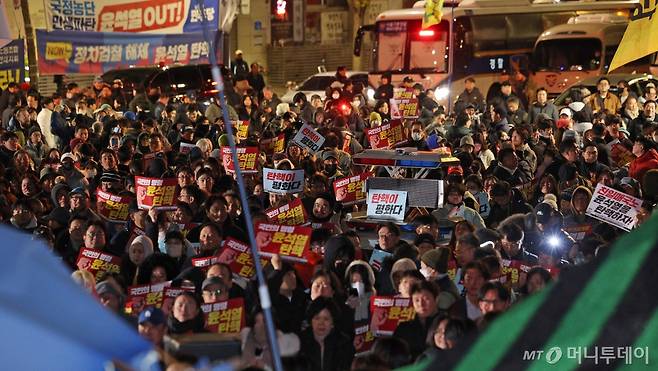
pixel 475 38
pixel 583 47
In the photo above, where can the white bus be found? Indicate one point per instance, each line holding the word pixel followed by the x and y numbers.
pixel 478 38
pixel 583 47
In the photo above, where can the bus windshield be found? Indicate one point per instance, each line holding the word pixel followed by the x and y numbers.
pixel 403 45
pixel 568 55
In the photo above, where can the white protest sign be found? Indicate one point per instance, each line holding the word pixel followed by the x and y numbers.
pixel 386 204
pixel 614 207
pixel 283 181
pixel 309 138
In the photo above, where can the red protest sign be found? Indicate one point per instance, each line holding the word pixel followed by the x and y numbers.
pixel 273 145
pixel 242 129
pixel 351 189
pixel 404 104
pixel 621 155
pixel 238 257
pixel 578 231
pixel 364 339
pixel 293 213
pixel 388 312
pixel 97 262
pixel 185 148
pixel 386 135
pixel 205 262
pixel 512 270
pixel 169 296
pixel 226 317
pixel 143 296
pixel 246 159
pixel 291 243
pixel 155 192
pixel 452 269
pixel 112 207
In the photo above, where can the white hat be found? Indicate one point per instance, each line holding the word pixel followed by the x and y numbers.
pixel 576 106
pixel 238 52
pixel 566 111
pixel 67 155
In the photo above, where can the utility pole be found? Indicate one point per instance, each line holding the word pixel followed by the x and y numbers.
pixel 30 44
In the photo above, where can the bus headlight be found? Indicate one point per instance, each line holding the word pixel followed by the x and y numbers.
pixel 441 93
pixel 370 93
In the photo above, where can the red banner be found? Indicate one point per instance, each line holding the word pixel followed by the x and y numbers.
pixel 205 262
pixel 291 243
pixel 351 189
pixel 386 135
pixel 364 339
pixel 246 158
pixel 238 256
pixel 97 262
pixel 140 297
pixel 226 317
pixel 155 192
pixel 404 104
pixel 388 312
pixel 169 296
pixel 293 213
pixel 112 207
pixel 273 145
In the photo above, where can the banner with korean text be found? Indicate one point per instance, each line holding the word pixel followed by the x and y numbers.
pixel 12 62
pixel 112 207
pixel 97 262
pixel 153 16
pixel 283 181
pixel 293 213
pixel 309 138
pixel 614 207
pixel 388 312
pixel 62 52
pixel 155 192
pixel 386 204
pixel 386 135
pixel 404 104
pixel 291 243
pixel 246 159
pixel 225 317
pixel 352 189
pixel 143 296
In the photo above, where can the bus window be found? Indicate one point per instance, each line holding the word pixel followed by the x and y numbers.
pixel 391 45
pixel 580 54
pixel 428 50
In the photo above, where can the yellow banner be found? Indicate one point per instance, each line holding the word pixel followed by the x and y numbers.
pixel 640 37
pixel 433 13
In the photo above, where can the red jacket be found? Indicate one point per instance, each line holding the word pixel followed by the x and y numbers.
pixel 642 164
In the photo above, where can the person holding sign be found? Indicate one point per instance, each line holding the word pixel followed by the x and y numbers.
pixel 186 316
pixel 414 332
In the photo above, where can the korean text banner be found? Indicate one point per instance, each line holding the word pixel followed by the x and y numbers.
pixel 155 192
pixel 246 159
pixel 386 204
pixel 112 207
pixel 291 243
pixel 307 137
pixel 12 63
pixel 404 104
pixel 292 213
pixel 97 262
pixel 613 207
pixel 153 16
pixel 386 135
pixel 62 52
pixel 388 312
pixel 237 256
pixel 283 181
pixel 225 317
pixel 351 189
pixel 143 296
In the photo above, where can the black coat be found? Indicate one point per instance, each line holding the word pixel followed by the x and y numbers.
pixel 414 332
pixel 338 351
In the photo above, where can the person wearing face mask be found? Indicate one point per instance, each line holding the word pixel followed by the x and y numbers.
pixel 416 138
pixel 330 161
pixel 454 208
pixel 175 247
pixel 359 280
pixel 434 267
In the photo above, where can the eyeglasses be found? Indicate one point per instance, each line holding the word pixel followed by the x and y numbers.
pixel 213 292
pixel 95 234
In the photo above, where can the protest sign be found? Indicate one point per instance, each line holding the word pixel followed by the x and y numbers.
pixel 512 270
pixel 12 63
pixel 578 231
pixel 156 193
pixel 283 181
pixel 364 339
pixel 620 155
pixel 242 129
pixel 404 104
pixel 351 189
pixel 237 256
pixel 386 135
pixel 205 262
pixel 293 213
pixel 246 159
pixel 97 262
pixel 185 148
pixel 385 204
pixel 291 243
pixel 388 312
pixel 614 207
pixel 169 296
pixel 226 317
pixel 143 296
pixel 154 16
pixel 377 259
pixel 64 52
pixel 112 207
pixel 273 145
pixel 307 137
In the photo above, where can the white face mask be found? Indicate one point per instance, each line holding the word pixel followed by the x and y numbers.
pixel 360 287
pixel 175 249
pixel 426 272
pixel 416 136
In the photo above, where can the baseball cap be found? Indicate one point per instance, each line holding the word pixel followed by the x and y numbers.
pixel 544 212
pixel 212 281
pixel 152 315
pixel 103 107
pixel 455 170
pixel 45 172
pixel 437 259
pixel 187 128
pixel 467 140
pixel 67 155
pixel 329 154
pixel 566 111
pixel 78 191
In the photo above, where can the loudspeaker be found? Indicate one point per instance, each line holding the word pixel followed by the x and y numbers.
pixel 215 347
pixel 420 192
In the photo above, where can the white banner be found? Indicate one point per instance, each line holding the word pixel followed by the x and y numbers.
pixel 614 207
pixel 307 137
pixel 386 204
pixel 283 181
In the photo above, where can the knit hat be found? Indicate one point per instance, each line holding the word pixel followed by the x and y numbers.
pixel 467 140
pixel 437 259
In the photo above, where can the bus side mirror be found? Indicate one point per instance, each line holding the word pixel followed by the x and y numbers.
pixel 358 39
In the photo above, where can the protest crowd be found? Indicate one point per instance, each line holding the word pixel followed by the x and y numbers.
pixel 135 191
